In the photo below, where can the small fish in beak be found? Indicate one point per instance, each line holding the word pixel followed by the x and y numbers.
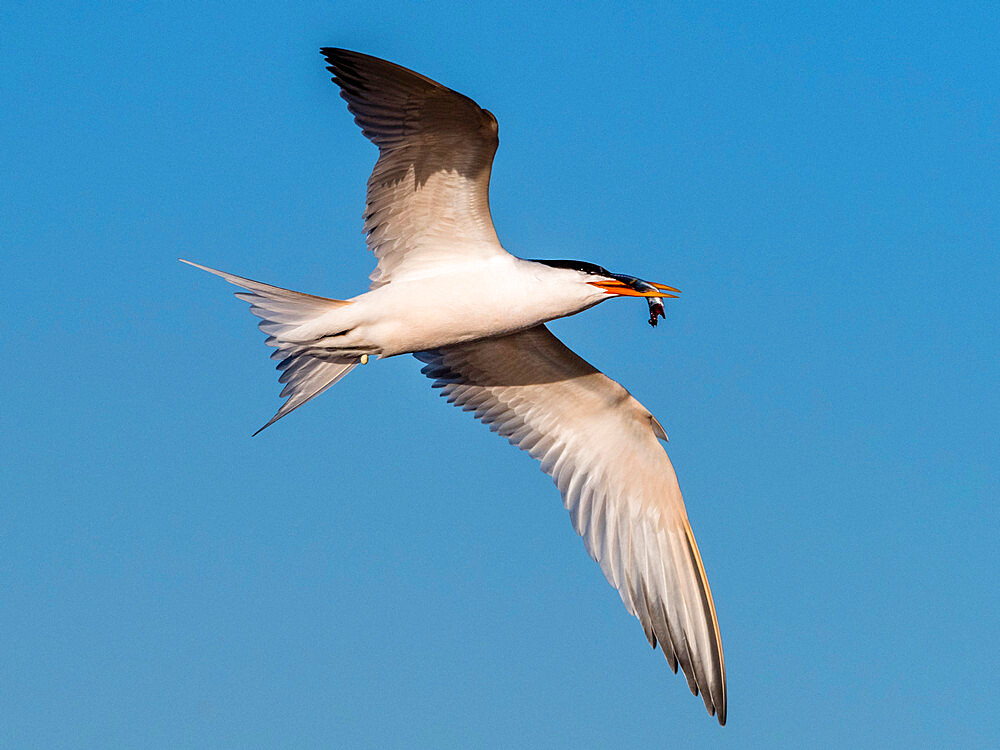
pixel 656 308
pixel 630 286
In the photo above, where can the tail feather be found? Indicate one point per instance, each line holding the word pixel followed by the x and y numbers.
pixel 306 371
pixel 305 378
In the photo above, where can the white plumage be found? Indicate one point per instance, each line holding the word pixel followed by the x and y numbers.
pixel 445 290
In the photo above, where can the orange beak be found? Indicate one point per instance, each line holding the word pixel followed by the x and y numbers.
pixel 622 289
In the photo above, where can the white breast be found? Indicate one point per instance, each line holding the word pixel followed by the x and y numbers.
pixel 474 300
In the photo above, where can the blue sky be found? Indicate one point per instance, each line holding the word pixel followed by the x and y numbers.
pixel 379 570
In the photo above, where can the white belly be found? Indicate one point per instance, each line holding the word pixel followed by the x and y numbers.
pixel 480 300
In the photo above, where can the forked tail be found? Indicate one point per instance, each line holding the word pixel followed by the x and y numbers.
pixel 306 370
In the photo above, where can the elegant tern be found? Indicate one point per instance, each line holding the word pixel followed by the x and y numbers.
pixel 446 291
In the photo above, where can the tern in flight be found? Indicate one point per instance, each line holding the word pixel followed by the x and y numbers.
pixel 446 291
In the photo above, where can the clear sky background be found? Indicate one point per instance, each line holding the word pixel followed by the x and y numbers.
pixel 378 569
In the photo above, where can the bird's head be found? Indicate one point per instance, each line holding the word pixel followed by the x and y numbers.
pixel 619 285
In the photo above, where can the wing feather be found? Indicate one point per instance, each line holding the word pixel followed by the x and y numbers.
pixel 428 195
pixel 601 448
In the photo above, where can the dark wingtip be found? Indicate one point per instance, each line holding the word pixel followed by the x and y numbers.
pixel 332 55
pixel 331 52
pixel 718 707
pixel 337 58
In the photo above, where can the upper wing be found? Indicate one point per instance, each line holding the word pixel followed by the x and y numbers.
pixel 600 446
pixel 428 196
